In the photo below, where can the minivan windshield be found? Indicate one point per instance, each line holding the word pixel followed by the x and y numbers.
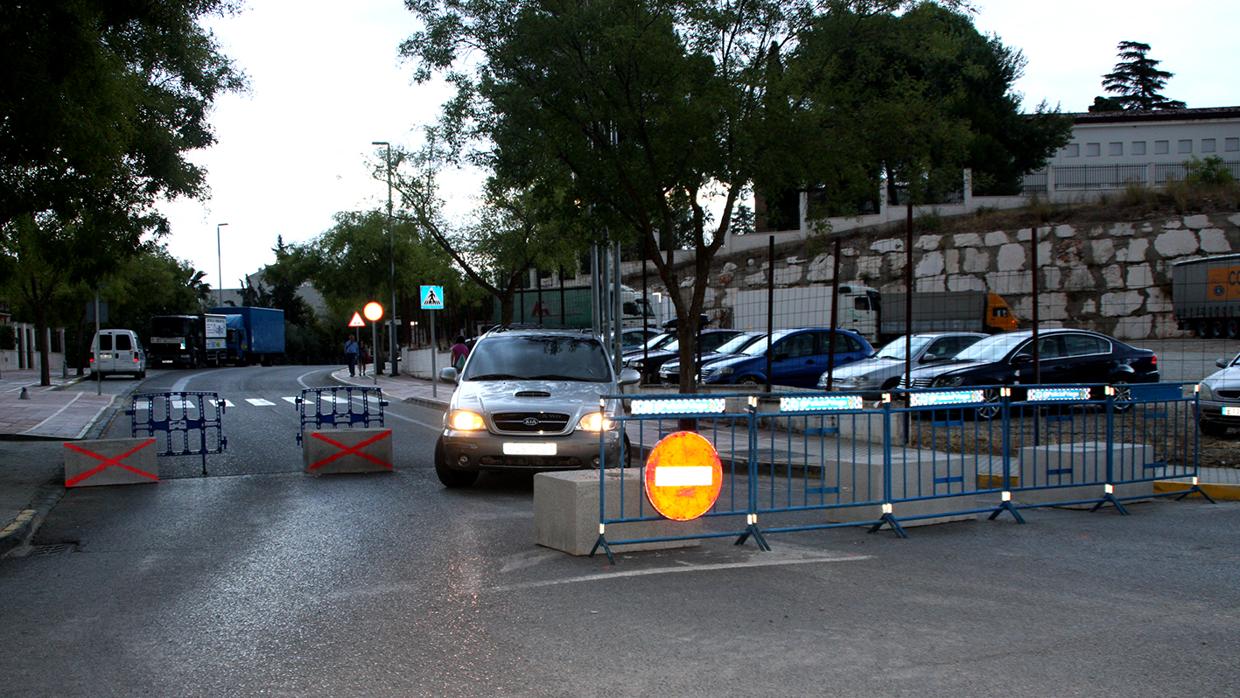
pixel 992 348
pixel 538 357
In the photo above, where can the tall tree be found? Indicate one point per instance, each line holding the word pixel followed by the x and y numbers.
pixel 1137 81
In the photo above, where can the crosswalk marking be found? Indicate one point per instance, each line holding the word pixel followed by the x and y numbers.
pixel 259 402
pixel 182 404
pixel 289 400
pixel 227 403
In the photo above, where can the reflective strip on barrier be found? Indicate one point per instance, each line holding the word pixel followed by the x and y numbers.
pixel 951 397
pixel 1057 395
pixel 701 405
pixel 820 403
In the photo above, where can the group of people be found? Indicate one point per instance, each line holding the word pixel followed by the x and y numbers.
pixel 356 355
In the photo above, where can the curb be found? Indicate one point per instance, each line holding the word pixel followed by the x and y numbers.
pixel 15 533
pixel 434 404
pixel 1217 492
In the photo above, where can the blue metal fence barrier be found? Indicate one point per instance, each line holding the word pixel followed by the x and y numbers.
pixel 809 461
pixel 339 406
pixel 183 423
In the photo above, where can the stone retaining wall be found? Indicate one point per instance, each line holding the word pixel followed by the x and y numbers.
pixel 1113 277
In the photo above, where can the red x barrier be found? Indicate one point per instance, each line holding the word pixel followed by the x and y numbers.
pixel 109 462
pixel 351 450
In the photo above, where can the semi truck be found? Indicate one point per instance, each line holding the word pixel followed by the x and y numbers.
pixel 1205 295
pixel 944 311
pixel 808 306
pixel 188 341
pixel 255 335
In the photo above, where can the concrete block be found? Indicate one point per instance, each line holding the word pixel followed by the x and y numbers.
pixel 1066 467
pixel 566 512
pixel 332 451
pixel 110 462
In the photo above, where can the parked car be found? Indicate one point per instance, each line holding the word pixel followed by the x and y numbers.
pixel 669 372
pixel 883 371
pixel 648 363
pixel 798 357
pixel 634 338
pixel 529 400
pixel 1219 397
pixel 655 343
pixel 1065 356
pixel 117 351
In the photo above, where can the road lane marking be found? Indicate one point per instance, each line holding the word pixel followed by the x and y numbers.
pixel 259 402
pixel 217 403
pixel 289 400
pixel 679 570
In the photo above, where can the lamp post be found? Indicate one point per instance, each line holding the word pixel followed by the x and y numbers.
pixel 219 269
pixel 391 257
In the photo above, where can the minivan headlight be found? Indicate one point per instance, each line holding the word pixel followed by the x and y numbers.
pixel 596 422
pixel 464 420
pixel 1204 391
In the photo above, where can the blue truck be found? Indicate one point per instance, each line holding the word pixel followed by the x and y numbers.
pixel 255 335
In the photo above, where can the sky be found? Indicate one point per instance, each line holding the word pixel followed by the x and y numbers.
pixel 325 80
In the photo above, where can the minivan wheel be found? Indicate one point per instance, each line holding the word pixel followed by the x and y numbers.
pixel 453 479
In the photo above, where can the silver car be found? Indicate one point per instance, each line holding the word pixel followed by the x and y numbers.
pixel 529 400
pixel 1219 394
pixel 881 372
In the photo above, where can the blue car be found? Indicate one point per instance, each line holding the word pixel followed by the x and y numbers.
pixel 798 358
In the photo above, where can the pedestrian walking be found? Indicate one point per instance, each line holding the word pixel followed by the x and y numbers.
pixel 459 350
pixel 365 357
pixel 350 354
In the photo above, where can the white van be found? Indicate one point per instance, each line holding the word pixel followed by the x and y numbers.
pixel 117 351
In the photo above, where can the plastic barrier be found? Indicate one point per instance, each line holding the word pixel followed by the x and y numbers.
pixel 182 423
pixel 921 456
pixel 339 406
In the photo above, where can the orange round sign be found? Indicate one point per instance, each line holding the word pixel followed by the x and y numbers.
pixel 683 476
pixel 373 311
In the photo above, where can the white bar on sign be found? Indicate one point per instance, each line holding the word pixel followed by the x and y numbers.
pixel 529 449
pixel 683 476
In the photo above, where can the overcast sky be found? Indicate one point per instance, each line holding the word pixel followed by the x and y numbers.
pixel 325 81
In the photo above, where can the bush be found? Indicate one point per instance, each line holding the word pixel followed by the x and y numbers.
pixel 1211 172
pixel 8 337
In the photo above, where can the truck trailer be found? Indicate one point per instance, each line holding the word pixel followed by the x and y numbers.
pixel 255 335
pixel 1205 295
pixel 941 311
pixel 808 306
pixel 189 341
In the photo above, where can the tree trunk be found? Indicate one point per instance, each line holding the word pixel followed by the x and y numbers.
pixel 40 342
pixel 505 307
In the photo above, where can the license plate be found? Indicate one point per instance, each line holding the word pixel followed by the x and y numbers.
pixel 529 449
pixel 105 355
pixel 1231 411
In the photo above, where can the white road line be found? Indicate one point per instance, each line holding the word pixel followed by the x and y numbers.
pixel 259 402
pixel 289 400
pixel 226 403
pixel 679 570
pixel 76 397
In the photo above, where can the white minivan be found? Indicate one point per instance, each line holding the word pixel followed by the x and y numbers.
pixel 117 351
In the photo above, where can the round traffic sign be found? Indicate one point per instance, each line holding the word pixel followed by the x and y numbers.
pixel 683 476
pixel 373 311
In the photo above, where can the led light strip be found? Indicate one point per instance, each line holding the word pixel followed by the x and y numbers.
pixel 702 405
pixel 1057 394
pixel 820 403
pixel 954 397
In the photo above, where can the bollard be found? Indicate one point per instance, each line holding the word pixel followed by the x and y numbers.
pixel 23 396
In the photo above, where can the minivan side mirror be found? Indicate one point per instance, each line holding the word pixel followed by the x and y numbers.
pixel 780 355
pixel 1222 363
pixel 931 358
pixel 448 374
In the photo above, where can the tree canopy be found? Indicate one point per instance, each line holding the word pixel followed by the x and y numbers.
pixel 1137 82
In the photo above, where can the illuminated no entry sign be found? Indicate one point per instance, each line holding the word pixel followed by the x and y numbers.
pixel 683 476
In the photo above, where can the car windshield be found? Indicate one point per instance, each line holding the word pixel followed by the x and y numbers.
pixel 759 348
pixel 534 357
pixel 991 348
pixel 895 348
pixel 738 343
pixel 660 340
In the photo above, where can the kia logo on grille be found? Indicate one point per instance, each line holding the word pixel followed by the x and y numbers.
pixel 530 421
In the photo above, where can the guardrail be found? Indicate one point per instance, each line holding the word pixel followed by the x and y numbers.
pixel 801 462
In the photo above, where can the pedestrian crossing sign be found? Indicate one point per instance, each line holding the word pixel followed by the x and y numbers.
pixel 432 298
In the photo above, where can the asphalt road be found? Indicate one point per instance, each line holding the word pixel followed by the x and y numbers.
pixel 388 584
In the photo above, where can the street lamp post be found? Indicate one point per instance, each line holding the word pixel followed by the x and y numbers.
pixel 219 269
pixel 391 257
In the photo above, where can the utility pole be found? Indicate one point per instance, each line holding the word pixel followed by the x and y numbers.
pixel 391 259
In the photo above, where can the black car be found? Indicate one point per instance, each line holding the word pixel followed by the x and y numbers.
pixel 649 363
pixel 1065 356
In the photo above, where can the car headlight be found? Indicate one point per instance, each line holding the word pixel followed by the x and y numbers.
pixel 464 420
pixel 1204 392
pixel 637 365
pixel 725 371
pixel 595 422
pixel 948 381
